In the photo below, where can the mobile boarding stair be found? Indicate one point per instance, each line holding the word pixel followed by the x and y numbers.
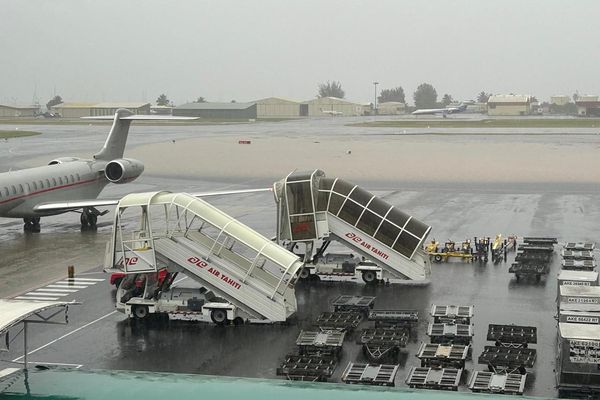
pixel 314 210
pixel 252 275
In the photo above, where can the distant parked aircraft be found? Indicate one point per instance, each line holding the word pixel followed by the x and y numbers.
pixel 444 111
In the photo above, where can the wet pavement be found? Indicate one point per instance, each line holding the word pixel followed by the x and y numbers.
pixel 99 337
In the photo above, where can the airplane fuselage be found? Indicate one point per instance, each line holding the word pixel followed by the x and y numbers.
pixel 21 190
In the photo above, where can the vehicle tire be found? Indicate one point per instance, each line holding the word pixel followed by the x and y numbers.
pixel 140 312
pixel 370 277
pixel 538 277
pixel 304 273
pixel 237 321
pixel 475 258
pixel 218 316
pixel 518 276
pixel 117 282
pixel 437 258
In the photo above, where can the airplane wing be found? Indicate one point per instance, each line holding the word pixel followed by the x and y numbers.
pixel 59 207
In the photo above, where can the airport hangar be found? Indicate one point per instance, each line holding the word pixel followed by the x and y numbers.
pixel 273 107
pixel 588 106
pixel 509 104
pixel 19 111
pixel 78 110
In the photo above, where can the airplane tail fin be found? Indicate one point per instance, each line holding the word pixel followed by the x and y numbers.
pixel 114 147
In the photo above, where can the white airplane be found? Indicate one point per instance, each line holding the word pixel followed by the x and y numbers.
pixel 333 113
pixel 72 183
pixel 444 111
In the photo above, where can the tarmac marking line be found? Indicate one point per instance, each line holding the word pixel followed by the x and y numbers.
pixel 86 279
pixel 35 298
pixel 36 293
pixel 74 282
pixel 67 335
pixel 8 371
pixel 77 366
pixel 57 290
pixel 66 286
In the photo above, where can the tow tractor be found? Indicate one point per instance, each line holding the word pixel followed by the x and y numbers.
pixel 450 250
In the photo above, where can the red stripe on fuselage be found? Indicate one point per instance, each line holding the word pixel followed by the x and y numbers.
pixel 49 190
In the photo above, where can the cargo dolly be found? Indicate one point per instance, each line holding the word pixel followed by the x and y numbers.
pixel 507 359
pixel 370 374
pixel 489 382
pixel 430 378
pixel 339 320
pixel 320 343
pixel 315 368
pixel 512 335
pixel 383 343
pixel 577 255
pixel 450 333
pixel 450 250
pixel 443 356
pixel 401 318
pixel 362 304
pixel 528 270
pixel 579 265
pixel 533 257
pixel 451 314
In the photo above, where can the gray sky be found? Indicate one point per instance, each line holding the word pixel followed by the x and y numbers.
pixel 117 50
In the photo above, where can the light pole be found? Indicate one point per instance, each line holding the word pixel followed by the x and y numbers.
pixel 375 104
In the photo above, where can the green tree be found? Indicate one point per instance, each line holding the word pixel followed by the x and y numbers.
pixel 200 100
pixel 483 97
pixel 395 94
pixel 446 100
pixel 425 96
pixel 56 100
pixel 163 100
pixel 331 89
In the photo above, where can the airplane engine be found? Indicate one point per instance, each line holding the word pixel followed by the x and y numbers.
pixel 63 160
pixel 123 170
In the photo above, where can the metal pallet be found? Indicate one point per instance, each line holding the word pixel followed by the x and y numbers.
pixel 512 335
pixel 589 246
pixel 534 248
pixel 522 270
pixel 540 240
pixel 450 333
pixel 307 368
pixel 429 378
pixel 343 320
pixel 507 357
pixel 442 356
pixel 489 382
pixel 451 314
pixel 381 343
pixel 577 255
pixel 579 265
pixel 324 342
pixel 528 258
pixel 370 374
pixel 394 317
pixel 354 303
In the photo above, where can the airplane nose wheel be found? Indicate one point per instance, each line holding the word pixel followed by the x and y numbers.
pixel 32 224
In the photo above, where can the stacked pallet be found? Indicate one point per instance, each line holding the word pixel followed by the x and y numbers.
pixel 443 359
pixel 507 360
pixel 533 258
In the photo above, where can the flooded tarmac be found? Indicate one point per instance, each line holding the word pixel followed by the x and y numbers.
pixel 102 338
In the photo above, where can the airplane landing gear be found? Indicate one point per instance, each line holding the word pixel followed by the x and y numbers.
pixel 89 218
pixel 32 224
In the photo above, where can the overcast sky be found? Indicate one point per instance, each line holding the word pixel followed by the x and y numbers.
pixel 118 50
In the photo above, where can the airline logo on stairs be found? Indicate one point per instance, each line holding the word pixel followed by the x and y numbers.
pixel 368 247
pixel 198 262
